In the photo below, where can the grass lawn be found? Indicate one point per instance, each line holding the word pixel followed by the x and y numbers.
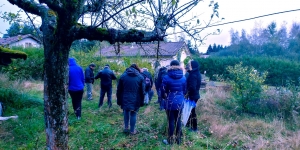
pixel 219 128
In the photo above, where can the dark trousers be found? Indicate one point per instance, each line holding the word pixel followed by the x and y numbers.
pixel 76 97
pixel 130 116
pixel 108 91
pixel 174 125
pixel 192 121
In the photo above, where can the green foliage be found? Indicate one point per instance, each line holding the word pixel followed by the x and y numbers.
pixel 278 70
pixel 118 65
pixel 14 97
pixel 246 84
pixel 31 68
pixel 14 29
pixel 290 100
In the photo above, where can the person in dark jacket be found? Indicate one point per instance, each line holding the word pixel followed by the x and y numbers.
pixel 193 87
pixel 161 73
pixel 172 89
pixel 130 96
pixel 76 86
pixel 148 87
pixel 106 76
pixel 89 80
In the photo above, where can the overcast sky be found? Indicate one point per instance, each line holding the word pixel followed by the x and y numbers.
pixel 231 10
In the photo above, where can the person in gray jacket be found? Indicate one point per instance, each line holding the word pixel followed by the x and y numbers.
pixel 89 80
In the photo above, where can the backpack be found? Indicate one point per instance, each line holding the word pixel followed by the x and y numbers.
pixel 147 81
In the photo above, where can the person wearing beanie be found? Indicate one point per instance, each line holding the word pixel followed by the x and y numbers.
pixel 193 87
pixel 172 91
pixel 106 75
pixel 89 80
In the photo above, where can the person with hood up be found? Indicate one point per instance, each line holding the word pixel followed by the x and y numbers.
pixel 193 87
pixel 106 76
pixel 76 86
pixel 130 96
pixel 172 90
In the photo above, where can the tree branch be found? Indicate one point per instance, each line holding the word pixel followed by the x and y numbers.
pixel 132 4
pixel 53 4
pixel 113 36
pixel 29 6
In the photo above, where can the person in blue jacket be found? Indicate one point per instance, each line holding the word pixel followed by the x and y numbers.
pixel 172 90
pixel 76 86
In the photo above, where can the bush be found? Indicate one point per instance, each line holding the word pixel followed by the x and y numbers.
pixel 118 65
pixel 279 70
pixel 31 68
pixel 246 85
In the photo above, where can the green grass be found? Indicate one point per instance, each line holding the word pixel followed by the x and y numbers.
pixel 98 128
pixel 219 127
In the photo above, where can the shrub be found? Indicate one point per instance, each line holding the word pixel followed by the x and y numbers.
pixel 31 68
pixel 279 70
pixel 246 85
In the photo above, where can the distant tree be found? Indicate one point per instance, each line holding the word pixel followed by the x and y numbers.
pixel 14 29
pixel 28 29
pixel 214 48
pixel 209 49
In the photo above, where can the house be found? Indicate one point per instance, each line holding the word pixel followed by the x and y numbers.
pixel 27 40
pixel 168 51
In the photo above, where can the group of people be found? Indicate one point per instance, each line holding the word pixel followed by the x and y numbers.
pixel 134 90
pixel 78 79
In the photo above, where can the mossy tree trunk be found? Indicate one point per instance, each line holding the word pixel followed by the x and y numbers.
pixel 60 29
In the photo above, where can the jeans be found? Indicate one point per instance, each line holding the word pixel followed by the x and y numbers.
pixel 160 100
pixel 104 90
pixel 89 91
pixel 130 115
pixel 146 98
pixel 174 124
pixel 76 97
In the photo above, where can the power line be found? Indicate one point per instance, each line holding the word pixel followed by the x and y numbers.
pixel 244 19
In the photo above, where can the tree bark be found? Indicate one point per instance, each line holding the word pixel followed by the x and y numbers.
pixel 56 94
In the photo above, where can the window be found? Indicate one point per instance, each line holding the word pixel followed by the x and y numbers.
pixel 28 45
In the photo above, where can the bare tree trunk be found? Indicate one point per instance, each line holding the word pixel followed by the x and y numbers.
pixel 56 92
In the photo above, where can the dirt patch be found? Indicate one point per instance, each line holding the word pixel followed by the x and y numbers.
pixel 147 110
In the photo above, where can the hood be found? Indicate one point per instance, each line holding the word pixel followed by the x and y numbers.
pixel 132 72
pixel 175 72
pixel 72 62
pixel 194 65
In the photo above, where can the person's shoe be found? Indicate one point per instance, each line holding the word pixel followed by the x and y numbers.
pixel 78 118
pixel 165 142
pixel 134 133
pixel 193 130
pixel 126 130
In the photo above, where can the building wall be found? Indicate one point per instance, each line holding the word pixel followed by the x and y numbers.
pixel 27 42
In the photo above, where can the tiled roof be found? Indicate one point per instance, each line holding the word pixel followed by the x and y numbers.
pixel 10 40
pixel 144 50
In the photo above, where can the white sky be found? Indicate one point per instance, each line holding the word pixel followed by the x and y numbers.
pixel 231 10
